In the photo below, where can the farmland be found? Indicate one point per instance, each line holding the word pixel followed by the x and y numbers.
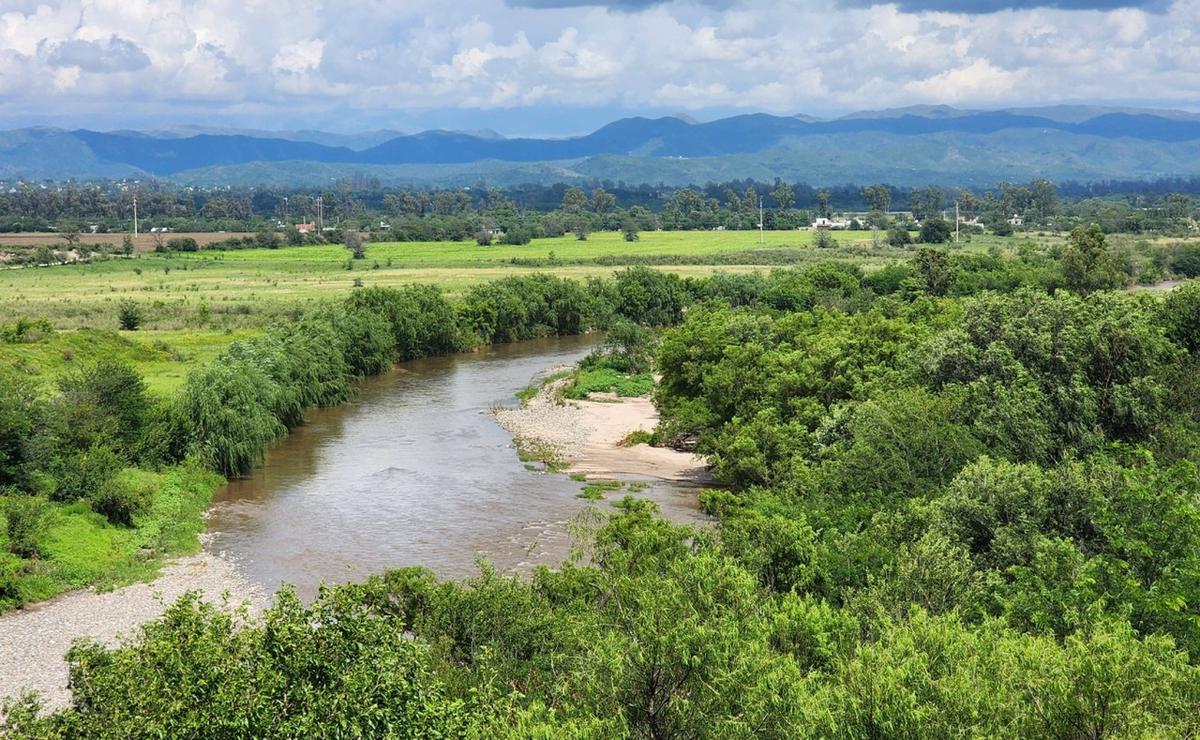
pixel 143 242
pixel 242 288
pixel 196 304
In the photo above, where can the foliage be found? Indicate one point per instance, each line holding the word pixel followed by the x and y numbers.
pixel 1088 263
pixel 663 634
pixel 898 236
pixel 129 315
pixel 354 242
pixel 26 521
pixel 608 380
pixel 182 244
pixel 935 231
pixel 959 502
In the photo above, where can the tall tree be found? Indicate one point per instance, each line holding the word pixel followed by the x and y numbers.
pixel 823 209
pixel 878 197
pixel 603 201
pixel 1087 263
pixel 784 195
pixel 574 200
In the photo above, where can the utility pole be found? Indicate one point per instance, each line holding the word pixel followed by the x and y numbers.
pixel 135 223
pixel 320 213
pixel 285 209
pixel 956 222
pixel 761 235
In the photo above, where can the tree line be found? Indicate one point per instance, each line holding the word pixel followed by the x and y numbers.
pixel 408 214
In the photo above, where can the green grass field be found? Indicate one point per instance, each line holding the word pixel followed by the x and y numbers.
pixel 214 291
pixel 162 357
pixel 195 304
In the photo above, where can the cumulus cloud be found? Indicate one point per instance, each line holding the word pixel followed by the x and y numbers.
pixel 113 54
pixel 995 6
pixel 307 62
pixel 911 6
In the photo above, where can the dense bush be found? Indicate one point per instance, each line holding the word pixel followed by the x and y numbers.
pixel 665 634
pixel 182 244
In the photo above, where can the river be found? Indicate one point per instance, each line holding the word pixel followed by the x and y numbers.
pixel 412 471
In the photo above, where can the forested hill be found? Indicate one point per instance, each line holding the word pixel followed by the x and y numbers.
pixel 917 145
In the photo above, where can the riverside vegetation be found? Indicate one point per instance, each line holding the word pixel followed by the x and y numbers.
pixel 961 500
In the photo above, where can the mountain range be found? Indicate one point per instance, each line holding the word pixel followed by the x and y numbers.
pixel 906 146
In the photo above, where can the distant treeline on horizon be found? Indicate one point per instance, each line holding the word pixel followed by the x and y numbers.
pixel 108 204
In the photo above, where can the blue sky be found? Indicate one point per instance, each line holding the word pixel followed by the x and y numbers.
pixel 567 66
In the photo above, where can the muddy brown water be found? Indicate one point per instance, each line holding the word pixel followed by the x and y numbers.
pixel 412 471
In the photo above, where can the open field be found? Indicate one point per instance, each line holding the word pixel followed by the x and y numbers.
pixel 142 242
pixel 228 289
pixel 163 358
pixel 195 304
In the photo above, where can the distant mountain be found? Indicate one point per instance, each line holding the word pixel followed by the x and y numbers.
pixel 905 146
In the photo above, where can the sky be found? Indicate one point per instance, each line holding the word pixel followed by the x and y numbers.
pixel 558 67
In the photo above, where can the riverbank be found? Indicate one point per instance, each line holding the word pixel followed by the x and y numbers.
pixel 34 640
pixel 588 437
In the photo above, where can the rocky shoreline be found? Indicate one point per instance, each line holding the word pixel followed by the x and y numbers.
pixel 34 640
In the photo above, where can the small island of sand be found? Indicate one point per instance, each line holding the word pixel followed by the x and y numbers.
pixel 589 436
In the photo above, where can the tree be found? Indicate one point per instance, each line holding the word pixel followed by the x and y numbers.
pixel 71 237
pixel 127 245
pixel 927 202
pixel 574 200
pixel 898 236
pixel 935 231
pixel 183 244
pixel 516 235
pixel 129 315
pixel 354 242
pixel 968 205
pixel 1179 206
pixel 106 400
pixel 602 201
pixel 784 196
pixel 933 269
pixel 823 209
pixel 1087 263
pixel 878 197
pixel 581 230
pixel 630 230
pixel 1044 199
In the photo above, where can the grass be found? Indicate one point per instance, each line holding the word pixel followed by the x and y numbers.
pixel 528 392
pixel 81 548
pixel 596 490
pixel 638 437
pixel 607 380
pixel 162 357
pixel 213 291
pixel 536 451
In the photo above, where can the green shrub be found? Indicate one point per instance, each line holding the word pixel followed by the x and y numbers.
pixel 84 473
pixel 26 521
pixel 182 244
pixel 121 501
pixel 607 380
pixel 105 400
pixel 129 315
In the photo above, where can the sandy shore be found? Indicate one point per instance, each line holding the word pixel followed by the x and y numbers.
pixel 34 640
pixel 588 435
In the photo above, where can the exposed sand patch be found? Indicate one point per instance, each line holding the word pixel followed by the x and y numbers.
pixel 588 436
pixel 34 640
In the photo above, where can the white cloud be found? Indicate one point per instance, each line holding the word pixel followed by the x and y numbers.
pixel 300 57
pixel 233 58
